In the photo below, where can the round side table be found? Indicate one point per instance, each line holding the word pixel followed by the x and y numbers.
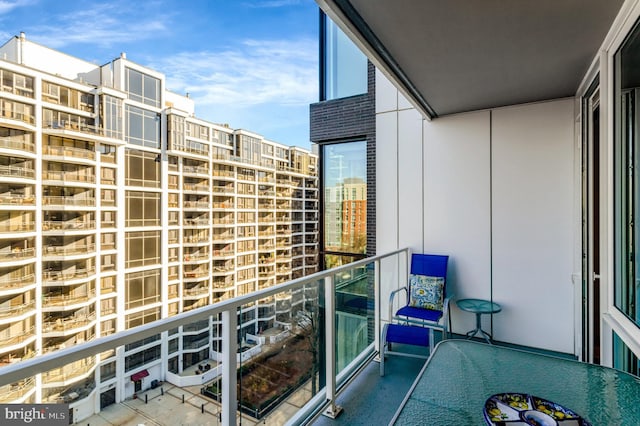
pixel 479 307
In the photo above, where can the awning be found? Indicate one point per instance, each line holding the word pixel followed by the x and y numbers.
pixel 139 375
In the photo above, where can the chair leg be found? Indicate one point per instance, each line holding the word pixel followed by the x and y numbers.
pixel 383 347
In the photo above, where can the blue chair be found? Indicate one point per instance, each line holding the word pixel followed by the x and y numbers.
pixel 426 307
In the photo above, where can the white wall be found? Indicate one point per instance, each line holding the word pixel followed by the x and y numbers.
pixel 494 190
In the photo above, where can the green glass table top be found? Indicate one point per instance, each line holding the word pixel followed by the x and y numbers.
pixel 461 375
pixel 478 306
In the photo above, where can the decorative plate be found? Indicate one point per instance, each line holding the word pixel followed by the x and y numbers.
pixel 507 409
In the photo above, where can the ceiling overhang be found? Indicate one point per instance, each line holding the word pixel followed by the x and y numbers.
pixel 462 55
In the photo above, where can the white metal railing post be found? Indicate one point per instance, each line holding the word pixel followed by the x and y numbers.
pixel 332 410
pixel 376 299
pixel 229 366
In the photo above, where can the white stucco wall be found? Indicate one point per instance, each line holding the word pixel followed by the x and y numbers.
pixel 494 190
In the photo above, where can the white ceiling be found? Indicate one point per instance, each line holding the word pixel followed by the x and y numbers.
pixel 463 55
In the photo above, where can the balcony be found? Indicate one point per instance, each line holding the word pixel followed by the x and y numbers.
pixel 66 152
pixel 348 358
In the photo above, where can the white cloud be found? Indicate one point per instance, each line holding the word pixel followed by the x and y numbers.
pixel 7 6
pixel 256 72
pixel 101 24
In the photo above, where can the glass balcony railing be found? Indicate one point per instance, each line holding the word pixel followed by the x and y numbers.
pixel 312 335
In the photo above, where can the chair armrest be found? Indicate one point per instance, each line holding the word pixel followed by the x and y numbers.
pixel 391 296
pixel 445 312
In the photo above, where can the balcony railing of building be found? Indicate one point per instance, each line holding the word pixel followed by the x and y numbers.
pixel 8 198
pixel 7 254
pixel 66 324
pixel 17 172
pixel 16 115
pixel 67 275
pixel 69 151
pixel 76 126
pixel 14 337
pixel 57 175
pixel 13 392
pixel 17 143
pixel 55 200
pixel 69 250
pixel 68 299
pixel 16 310
pixel 8 226
pixel 341 358
pixel 71 225
pixel 9 282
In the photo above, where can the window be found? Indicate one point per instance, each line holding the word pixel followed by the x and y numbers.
pixel 345 183
pixel 16 83
pixel 142 288
pixel 344 66
pixel 111 116
pixel 143 127
pixel 142 87
pixel 627 178
pixel 142 248
pixel 142 169
pixel 142 208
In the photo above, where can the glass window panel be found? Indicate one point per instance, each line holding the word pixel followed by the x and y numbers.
pixel 345 66
pixel 627 178
pixel 345 203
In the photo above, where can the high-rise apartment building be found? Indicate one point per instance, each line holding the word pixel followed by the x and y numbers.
pixel 119 207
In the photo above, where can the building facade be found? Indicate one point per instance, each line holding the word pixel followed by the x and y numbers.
pixel 119 207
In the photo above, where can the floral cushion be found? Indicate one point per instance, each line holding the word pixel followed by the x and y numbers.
pixel 426 292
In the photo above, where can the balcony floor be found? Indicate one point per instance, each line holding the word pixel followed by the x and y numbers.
pixel 371 397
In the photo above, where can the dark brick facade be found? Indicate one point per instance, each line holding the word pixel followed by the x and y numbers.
pixel 351 119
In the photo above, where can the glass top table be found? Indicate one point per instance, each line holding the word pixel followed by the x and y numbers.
pixel 479 307
pixel 461 375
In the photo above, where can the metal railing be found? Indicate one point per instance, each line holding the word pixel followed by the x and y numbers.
pixel 377 268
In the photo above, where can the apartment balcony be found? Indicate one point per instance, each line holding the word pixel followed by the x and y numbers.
pixel 70 201
pixel 196 239
pixel 194 187
pixel 13 227
pixel 17 143
pixel 196 171
pixel 12 284
pixel 70 250
pixel 62 178
pixel 69 373
pixel 77 361
pixel 195 274
pixel 68 325
pixel 68 276
pixel 196 256
pixel 17 172
pixel 70 301
pixel 16 119
pixel 196 223
pixel 197 204
pixel 13 313
pixel 9 254
pixel 225 173
pixel 224 252
pixel 266 219
pixel 11 339
pixel 16 199
pixel 17 392
pixel 78 130
pixel 223 189
pixel 195 292
pixel 69 153
pixel 68 225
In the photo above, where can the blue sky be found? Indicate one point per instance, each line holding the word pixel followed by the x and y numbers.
pixel 249 63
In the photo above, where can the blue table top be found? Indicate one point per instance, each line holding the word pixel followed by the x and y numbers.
pixel 461 375
pixel 478 306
